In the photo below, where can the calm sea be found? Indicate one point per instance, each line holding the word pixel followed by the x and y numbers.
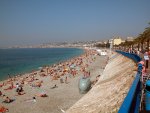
pixel 19 61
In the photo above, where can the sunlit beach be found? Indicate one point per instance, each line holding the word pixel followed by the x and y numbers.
pixel 74 56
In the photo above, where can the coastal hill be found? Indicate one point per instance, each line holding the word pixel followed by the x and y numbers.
pixel 109 92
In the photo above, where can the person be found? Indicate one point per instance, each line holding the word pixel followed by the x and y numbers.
pixel 10 87
pixel 143 70
pixel 42 94
pixel 1 85
pixel 97 78
pixel 55 86
pixel 146 57
pixel 37 84
pixel 34 99
pixel 138 52
pixel 17 87
pixel 20 93
pixel 149 51
pixel 20 90
pixel 31 100
pixel 0 93
pixel 3 109
pixel 7 99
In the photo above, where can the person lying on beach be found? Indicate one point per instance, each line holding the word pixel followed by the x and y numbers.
pixel 42 94
pixel 31 100
pixel 1 93
pixel 55 86
pixel 3 109
pixel 20 93
pixel 1 85
pixel 22 82
pixel 30 79
pixel 10 87
pixel 19 88
pixel 55 77
pixel 43 75
pixel 37 84
pixel 7 99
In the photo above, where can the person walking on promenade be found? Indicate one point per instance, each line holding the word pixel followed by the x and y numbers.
pixel 146 58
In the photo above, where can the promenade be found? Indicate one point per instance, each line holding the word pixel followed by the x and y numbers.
pixel 147 77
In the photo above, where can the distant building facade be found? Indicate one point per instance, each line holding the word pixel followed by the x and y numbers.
pixel 130 39
pixel 117 41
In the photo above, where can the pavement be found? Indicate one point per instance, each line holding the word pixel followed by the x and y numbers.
pixel 147 73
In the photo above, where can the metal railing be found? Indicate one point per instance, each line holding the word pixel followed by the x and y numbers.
pixel 131 103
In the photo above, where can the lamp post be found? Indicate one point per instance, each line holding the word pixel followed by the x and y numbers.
pixel 111 44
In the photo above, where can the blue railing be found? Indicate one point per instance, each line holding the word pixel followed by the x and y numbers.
pixel 132 56
pixel 131 103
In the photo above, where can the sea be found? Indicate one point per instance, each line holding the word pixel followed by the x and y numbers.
pixel 20 61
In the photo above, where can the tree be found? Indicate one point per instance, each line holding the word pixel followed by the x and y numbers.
pixel 147 32
pixel 137 41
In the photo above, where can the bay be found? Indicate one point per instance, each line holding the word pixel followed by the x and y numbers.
pixel 20 61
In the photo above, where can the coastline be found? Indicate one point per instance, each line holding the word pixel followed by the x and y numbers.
pixel 30 68
pixel 62 97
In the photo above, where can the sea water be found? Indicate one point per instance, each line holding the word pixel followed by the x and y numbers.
pixel 20 61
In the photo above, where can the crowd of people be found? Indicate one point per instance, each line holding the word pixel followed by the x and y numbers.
pixel 60 72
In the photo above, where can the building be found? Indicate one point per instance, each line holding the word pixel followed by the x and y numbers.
pixel 117 41
pixel 130 39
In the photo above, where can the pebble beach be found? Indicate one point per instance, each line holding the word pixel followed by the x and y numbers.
pixel 59 82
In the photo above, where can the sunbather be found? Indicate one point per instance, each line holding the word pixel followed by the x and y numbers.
pixel 55 86
pixel 42 94
pixel 31 100
pixel 7 99
pixel 3 109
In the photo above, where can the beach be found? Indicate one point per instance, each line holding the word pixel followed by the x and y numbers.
pixel 59 83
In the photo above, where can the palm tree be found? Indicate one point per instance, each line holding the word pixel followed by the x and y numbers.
pixel 142 38
pixel 147 32
pixel 137 41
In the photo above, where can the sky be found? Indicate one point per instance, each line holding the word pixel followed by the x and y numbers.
pixel 31 22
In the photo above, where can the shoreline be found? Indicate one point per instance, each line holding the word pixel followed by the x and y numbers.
pixel 61 97
pixel 42 66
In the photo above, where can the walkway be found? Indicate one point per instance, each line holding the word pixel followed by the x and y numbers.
pixel 145 79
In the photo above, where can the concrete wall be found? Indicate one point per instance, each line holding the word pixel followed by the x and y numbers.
pixel 108 93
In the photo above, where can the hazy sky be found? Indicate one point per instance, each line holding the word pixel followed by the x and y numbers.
pixel 25 22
